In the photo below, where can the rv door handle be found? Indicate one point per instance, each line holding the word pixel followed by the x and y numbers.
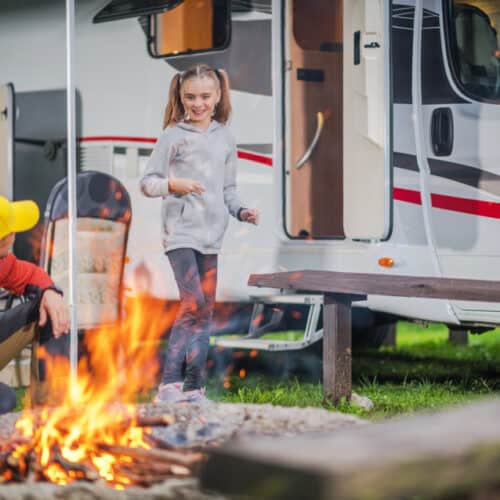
pixel 320 121
pixel 442 131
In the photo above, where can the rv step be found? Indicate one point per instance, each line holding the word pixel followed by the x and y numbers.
pixel 267 345
pixel 253 339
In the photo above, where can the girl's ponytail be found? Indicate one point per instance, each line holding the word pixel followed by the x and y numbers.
pixel 223 108
pixel 174 110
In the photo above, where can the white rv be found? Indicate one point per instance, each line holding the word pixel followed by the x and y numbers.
pixel 368 131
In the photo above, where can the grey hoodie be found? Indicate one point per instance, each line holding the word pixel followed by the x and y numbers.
pixel 209 157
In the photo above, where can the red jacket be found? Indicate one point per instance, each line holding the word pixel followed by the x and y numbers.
pixel 16 275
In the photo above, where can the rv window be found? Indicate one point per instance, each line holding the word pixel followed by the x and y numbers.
pixel 192 27
pixel 474 48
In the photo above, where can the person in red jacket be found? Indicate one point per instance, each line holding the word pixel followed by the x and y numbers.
pixel 44 317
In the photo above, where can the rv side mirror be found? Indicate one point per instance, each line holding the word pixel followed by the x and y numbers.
pixel 192 27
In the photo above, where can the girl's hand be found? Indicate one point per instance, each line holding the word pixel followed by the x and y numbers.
pixel 250 215
pixel 185 186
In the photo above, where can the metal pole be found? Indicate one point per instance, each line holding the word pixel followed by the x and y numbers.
pixel 72 210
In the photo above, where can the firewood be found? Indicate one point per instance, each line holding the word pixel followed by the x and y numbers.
pixel 16 468
pixel 155 442
pixel 3 460
pixel 81 470
pixel 12 461
pixel 141 478
pixel 157 467
pixel 154 454
pixel 155 420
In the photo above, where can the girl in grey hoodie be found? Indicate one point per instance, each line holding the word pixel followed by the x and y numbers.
pixel 193 168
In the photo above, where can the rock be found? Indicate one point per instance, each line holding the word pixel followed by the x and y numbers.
pixel 362 402
pixel 453 453
pixel 197 425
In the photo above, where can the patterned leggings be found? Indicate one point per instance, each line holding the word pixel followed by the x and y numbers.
pixel 196 277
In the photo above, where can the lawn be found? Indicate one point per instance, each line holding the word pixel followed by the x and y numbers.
pixel 423 371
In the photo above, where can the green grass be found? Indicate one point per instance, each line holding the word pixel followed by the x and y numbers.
pixel 422 372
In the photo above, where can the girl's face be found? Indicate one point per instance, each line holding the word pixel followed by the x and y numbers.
pixel 199 96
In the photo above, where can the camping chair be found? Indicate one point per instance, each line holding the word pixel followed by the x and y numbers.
pixel 103 221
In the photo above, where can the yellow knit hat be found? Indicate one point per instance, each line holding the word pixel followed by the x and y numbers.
pixel 17 216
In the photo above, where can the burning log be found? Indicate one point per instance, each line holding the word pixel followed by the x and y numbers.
pixel 152 455
pixel 154 421
pixel 154 442
pixel 76 470
pixel 23 458
pixel 146 473
pixel 143 479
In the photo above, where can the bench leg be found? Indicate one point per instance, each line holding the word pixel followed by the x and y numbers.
pixel 337 350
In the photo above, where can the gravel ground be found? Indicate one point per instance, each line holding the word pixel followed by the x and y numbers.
pixel 197 426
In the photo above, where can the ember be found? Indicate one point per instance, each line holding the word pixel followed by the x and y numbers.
pixel 95 433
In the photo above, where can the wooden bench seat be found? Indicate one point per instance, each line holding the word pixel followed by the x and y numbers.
pixel 341 289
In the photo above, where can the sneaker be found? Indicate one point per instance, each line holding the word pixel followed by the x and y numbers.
pixel 196 396
pixel 170 393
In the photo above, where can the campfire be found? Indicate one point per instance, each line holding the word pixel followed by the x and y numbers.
pixel 95 432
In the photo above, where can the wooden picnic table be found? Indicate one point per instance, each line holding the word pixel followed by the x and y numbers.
pixel 341 289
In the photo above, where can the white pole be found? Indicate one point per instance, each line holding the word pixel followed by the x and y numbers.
pixel 72 211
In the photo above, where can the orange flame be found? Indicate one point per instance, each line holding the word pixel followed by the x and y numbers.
pixel 98 409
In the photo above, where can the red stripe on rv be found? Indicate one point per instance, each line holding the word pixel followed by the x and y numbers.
pixel 97 138
pixel 244 155
pixel 455 204
pixel 407 195
pixel 466 206
pixel 441 201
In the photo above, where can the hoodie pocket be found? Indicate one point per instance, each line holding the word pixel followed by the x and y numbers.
pixel 173 207
pixel 216 222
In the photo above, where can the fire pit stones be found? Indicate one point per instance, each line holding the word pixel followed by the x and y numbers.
pixel 196 426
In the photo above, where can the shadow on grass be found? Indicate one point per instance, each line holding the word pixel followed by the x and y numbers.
pixel 468 367
pixel 397 367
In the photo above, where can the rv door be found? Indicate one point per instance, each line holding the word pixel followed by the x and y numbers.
pixel 367 120
pixel 6 139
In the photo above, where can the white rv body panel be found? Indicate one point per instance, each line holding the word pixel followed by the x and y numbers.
pixel 123 93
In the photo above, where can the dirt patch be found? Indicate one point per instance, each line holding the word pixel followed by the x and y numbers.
pixel 196 426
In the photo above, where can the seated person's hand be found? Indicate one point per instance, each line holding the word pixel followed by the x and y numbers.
pixel 52 306
pixel 250 215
